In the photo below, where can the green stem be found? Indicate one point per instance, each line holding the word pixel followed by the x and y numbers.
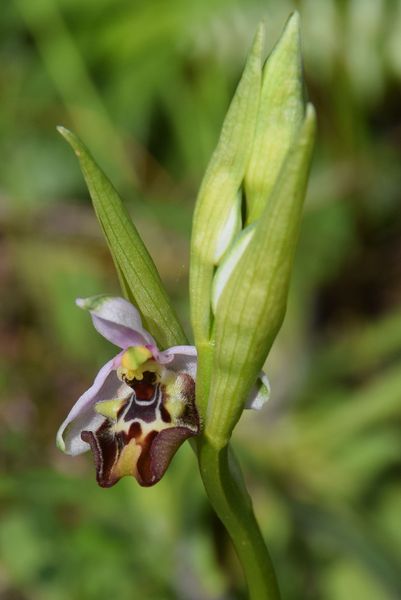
pixel 224 485
pixel 203 377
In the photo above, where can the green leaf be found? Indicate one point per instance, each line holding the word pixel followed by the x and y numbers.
pixel 281 112
pixel 138 275
pixel 218 194
pixel 251 307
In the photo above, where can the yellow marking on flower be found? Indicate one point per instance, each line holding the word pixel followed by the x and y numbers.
pixel 134 357
pixel 175 403
pixel 110 408
pixel 134 362
pixel 127 461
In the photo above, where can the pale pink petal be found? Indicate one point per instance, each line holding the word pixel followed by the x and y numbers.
pixel 117 320
pixel 82 414
pixel 184 359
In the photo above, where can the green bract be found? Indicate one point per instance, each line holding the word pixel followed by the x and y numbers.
pixel 138 275
pixel 239 299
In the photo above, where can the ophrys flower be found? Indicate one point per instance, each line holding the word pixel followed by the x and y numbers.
pixel 141 406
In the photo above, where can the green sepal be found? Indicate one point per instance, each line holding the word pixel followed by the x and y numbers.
pixel 219 189
pixel 252 305
pixel 139 278
pixel 282 109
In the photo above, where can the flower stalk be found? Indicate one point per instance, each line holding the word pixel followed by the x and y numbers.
pixel 229 497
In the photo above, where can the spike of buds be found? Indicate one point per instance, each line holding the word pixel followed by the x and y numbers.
pixel 262 158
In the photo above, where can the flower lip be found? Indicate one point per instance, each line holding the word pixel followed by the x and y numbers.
pixel 117 320
pixel 144 439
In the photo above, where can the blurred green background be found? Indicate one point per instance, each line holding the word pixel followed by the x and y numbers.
pixel 146 84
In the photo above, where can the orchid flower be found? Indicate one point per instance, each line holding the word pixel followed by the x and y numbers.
pixel 141 406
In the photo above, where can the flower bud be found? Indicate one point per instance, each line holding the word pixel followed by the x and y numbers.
pixel 250 307
pixel 240 279
pixel 218 208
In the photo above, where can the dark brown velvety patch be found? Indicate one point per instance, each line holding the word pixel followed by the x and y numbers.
pixel 158 446
pixel 145 389
pixel 105 450
pixel 165 415
pixel 153 464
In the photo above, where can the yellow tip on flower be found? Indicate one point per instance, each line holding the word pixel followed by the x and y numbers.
pixel 134 362
pixel 134 357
